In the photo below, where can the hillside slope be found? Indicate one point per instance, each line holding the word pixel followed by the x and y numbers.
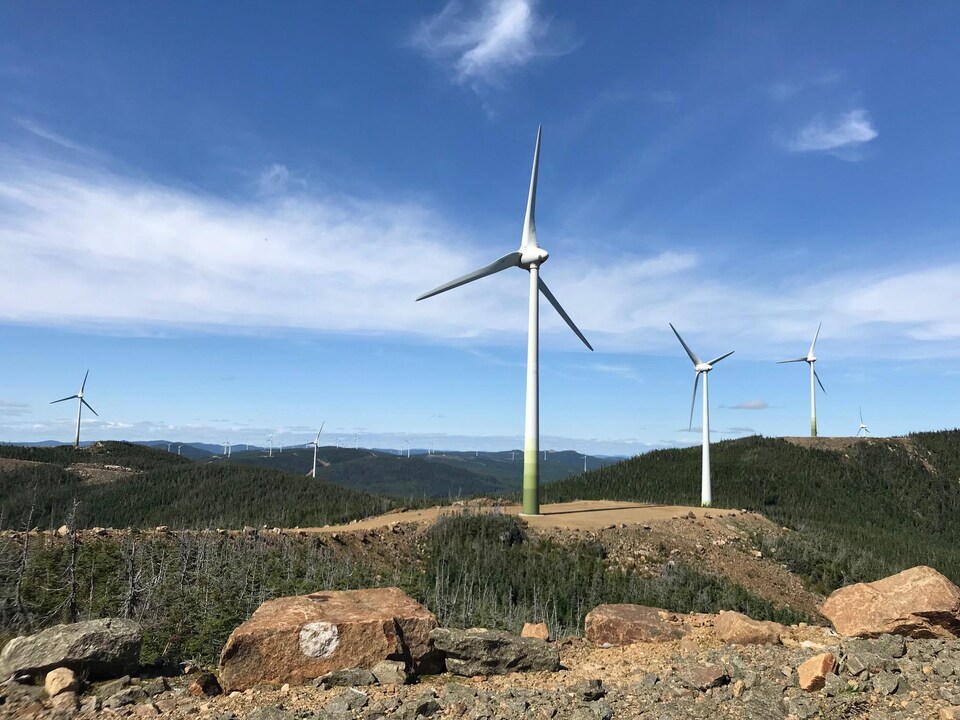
pixel 875 506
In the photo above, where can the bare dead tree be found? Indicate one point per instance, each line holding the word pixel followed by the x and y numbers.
pixel 18 600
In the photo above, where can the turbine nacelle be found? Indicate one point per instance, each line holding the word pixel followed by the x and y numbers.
pixel 532 255
pixel 703 367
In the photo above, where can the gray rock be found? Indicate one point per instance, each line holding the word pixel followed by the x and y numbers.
pixel 833 685
pixel 391 672
pixel 96 649
pixel 127 696
pixel 589 690
pixel 348 700
pixel 801 707
pixel 493 652
pixel 649 680
pixel 704 677
pixel 858 662
pixel 350 677
pixel 421 707
pixel 271 712
pixel 155 686
pixel 885 683
pixel 107 689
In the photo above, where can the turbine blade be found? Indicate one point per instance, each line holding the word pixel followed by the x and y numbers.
pixel 553 301
pixel 529 237
pixel 781 362
pixel 814 343
pixel 84 383
pixel 693 402
pixel 88 407
pixel 714 362
pixel 321 427
pixel 507 261
pixel 819 383
pixel 861 416
pixel 696 360
pixel 72 397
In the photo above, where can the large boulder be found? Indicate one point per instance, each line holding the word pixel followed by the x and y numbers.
pixel 96 649
pixel 739 629
pixel 626 624
pixel 299 638
pixel 479 651
pixel 919 602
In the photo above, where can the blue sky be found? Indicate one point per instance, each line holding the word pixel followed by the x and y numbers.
pixel 226 213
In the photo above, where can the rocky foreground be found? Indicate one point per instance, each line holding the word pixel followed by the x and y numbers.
pixel 378 654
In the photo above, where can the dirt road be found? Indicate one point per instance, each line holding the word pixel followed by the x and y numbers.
pixel 582 515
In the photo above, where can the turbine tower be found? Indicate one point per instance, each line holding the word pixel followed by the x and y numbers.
pixel 316 444
pixel 702 368
pixel 810 359
pixel 863 428
pixel 80 403
pixel 529 257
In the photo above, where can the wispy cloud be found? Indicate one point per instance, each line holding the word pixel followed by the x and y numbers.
pixel 846 132
pixel 491 39
pixel 56 138
pixel 99 251
pixel 10 408
pixel 748 405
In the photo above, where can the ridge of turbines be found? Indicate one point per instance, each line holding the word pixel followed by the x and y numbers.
pixel 530 256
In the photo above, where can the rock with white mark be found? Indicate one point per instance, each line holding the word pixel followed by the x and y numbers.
pixel 297 639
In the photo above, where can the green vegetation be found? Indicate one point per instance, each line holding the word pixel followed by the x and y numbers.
pixel 873 508
pixel 190 590
pixel 181 495
pixel 441 475
pixel 484 570
pixel 136 457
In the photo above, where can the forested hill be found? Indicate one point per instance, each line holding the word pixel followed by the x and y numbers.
pixel 892 503
pixel 159 488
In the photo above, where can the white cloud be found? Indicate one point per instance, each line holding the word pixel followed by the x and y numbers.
pixel 53 137
pixel 499 37
pixel 274 179
pixel 850 130
pixel 11 408
pixel 105 252
pixel 749 405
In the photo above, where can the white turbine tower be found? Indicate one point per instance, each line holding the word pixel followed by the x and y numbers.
pixel 702 368
pixel 863 427
pixel 810 359
pixel 316 444
pixel 80 403
pixel 529 257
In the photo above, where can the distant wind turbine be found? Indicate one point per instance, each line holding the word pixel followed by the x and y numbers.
pixel 529 257
pixel 810 359
pixel 316 444
pixel 863 428
pixel 702 368
pixel 80 403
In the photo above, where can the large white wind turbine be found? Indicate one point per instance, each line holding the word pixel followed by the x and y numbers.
pixel 810 359
pixel 80 403
pixel 702 368
pixel 316 444
pixel 863 427
pixel 529 257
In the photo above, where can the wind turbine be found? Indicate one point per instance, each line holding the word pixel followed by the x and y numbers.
pixel 863 428
pixel 810 359
pixel 316 444
pixel 80 403
pixel 702 368
pixel 529 257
